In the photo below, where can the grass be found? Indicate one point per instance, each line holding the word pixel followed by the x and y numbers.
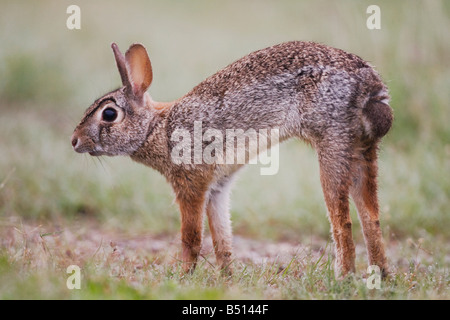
pixel 59 208
pixel 139 267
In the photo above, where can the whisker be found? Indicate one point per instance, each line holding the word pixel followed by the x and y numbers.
pixel 100 160
pixel 93 160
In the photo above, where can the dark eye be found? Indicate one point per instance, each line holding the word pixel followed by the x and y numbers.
pixel 109 114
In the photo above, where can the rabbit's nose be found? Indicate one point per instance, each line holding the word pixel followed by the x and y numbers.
pixel 74 142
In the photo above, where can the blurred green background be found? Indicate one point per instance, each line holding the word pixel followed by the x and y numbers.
pixel 49 75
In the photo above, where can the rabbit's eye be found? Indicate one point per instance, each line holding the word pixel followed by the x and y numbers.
pixel 109 114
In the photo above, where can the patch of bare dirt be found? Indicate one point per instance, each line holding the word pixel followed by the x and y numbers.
pixel 40 246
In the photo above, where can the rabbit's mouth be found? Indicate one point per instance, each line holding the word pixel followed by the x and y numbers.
pixel 97 153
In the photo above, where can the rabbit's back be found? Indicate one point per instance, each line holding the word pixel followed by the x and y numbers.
pixel 303 88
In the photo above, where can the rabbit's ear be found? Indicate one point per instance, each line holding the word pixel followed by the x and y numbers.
pixel 121 65
pixel 139 69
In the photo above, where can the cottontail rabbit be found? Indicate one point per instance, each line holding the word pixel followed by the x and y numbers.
pixel 332 99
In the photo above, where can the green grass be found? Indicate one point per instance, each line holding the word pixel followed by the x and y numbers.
pixel 50 75
pixel 34 266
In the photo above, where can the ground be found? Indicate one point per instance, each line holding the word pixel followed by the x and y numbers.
pixel 116 264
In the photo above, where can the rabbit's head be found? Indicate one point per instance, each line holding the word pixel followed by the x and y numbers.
pixel 117 123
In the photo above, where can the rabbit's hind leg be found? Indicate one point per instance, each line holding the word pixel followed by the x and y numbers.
pixel 335 164
pixel 364 193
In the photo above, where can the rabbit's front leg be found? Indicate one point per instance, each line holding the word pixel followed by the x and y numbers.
pixel 192 209
pixel 218 212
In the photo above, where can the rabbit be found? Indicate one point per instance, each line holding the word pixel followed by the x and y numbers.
pixel 333 100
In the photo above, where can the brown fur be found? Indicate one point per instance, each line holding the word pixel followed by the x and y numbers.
pixel 329 98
